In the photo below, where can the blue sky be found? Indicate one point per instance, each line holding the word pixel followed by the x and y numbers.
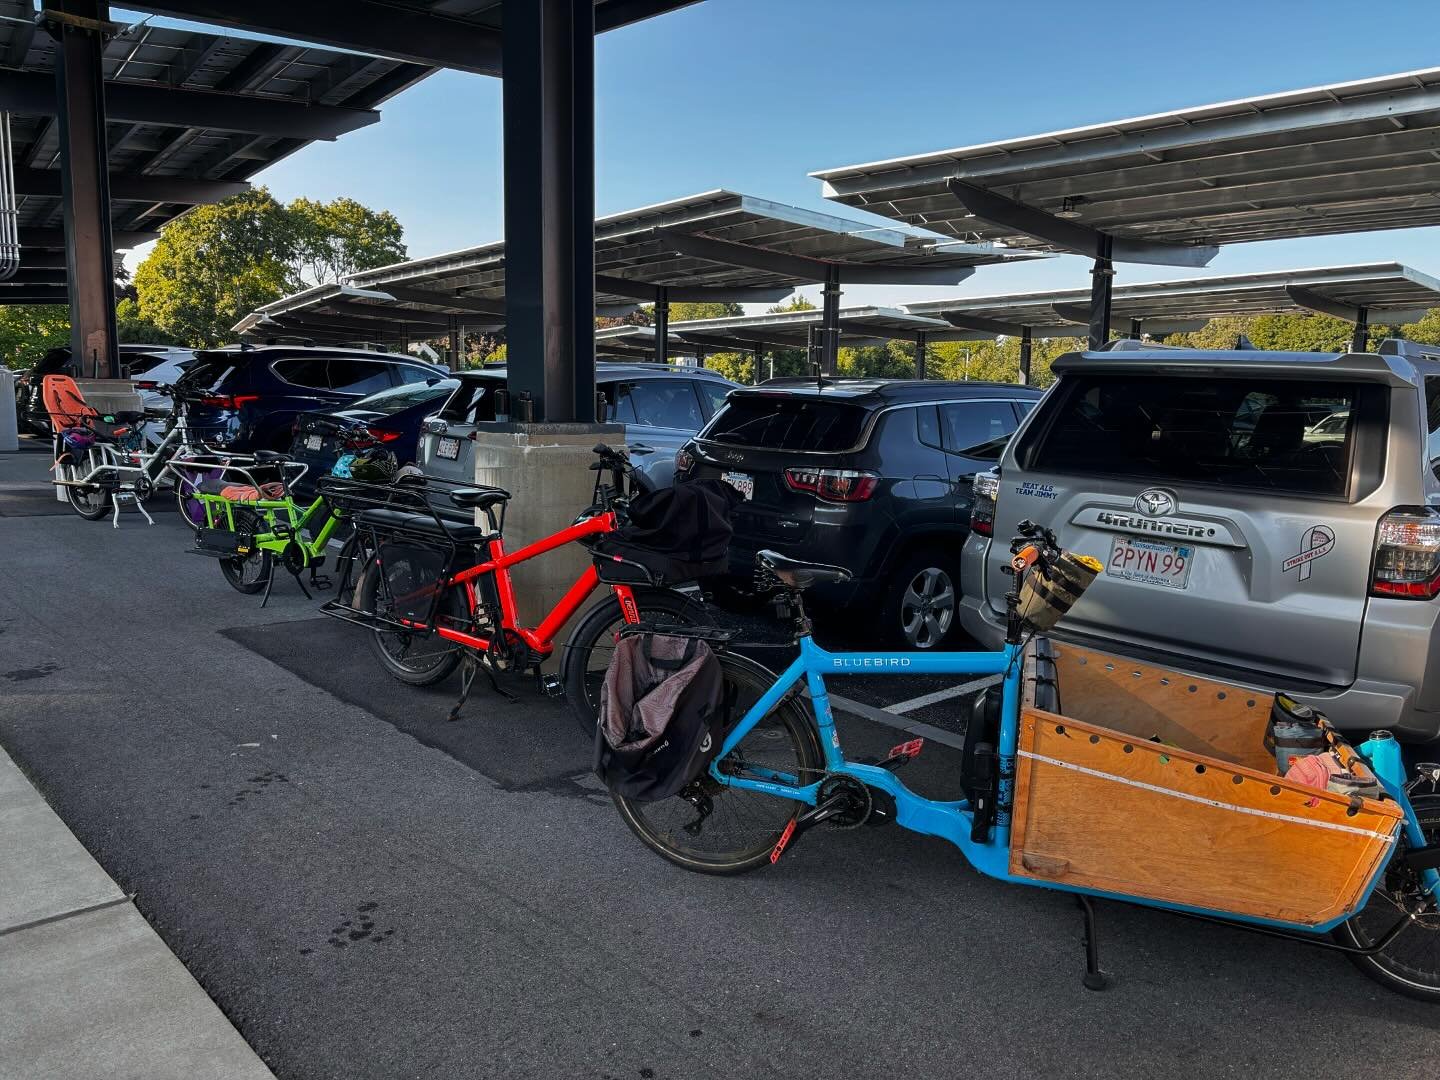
pixel 752 95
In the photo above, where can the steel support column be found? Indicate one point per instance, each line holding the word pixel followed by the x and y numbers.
pixel 1027 347
pixel 756 377
pixel 549 129
pixel 1360 339
pixel 662 324
pixel 1102 278
pixel 85 180
pixel 700 353
pixel 452 356
pixel 921 345
pixel 830 320
pixel 1135 330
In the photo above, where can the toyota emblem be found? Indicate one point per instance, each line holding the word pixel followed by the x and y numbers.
pixel 1155 503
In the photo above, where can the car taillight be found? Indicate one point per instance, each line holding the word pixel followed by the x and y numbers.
pixel 1407 555
pixel 684 461
pixel 833 485
pixel 228 401
pixel 986 488
pixel 381 435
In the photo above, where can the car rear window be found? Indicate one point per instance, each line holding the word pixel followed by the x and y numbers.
pixel 473 402
pixel 401 398
pixel 784 422
pixel 1274 434
pixel 207 372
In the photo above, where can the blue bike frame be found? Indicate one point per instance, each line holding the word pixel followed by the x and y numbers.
pixel 952 820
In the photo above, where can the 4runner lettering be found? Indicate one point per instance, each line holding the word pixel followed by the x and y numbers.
pixel 1152 525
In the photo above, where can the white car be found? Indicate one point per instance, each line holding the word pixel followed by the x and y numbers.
pixel 163 367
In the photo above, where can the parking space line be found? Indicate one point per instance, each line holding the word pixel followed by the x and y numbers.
pixel 944 695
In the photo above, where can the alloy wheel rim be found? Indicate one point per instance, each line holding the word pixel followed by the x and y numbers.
pixel 927 608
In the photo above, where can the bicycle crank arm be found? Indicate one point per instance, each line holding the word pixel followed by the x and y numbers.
pixel 802 823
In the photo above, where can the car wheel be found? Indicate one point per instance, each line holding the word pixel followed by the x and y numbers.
pixel 923 600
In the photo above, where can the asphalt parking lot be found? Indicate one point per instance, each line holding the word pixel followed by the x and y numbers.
pixel 367 891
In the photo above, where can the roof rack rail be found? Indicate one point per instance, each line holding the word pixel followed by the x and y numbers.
pixel 1416 350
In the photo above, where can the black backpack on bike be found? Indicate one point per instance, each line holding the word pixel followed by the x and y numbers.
pixel 661 715
pixel 675 534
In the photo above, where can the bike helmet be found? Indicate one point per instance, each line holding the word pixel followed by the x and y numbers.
pixel 77 440
pixel 374 466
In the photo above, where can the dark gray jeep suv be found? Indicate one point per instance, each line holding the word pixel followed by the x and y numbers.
pixel 870 474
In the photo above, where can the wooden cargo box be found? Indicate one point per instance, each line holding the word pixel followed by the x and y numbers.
pixel 1159 785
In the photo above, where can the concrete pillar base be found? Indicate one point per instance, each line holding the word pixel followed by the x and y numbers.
pixel 546 468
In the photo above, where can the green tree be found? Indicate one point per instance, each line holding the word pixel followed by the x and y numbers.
pixel 336 239
pixel 27 330
pixel 684 311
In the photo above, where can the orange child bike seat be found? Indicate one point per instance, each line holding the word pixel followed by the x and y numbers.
pixel 66 405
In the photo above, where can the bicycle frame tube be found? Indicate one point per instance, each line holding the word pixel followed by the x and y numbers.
pixel 947 820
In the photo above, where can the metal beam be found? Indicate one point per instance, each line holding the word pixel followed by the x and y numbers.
pixel 1314 301
pixel 150 189
pixel 380 313
pixel 984 325
pixel 753 258
pixel 1071 235
pixel 690 294
pixel 368 26
pixel 77 91
pixel 921 346
pixel 1102 288
pixel 470 304
pixel 662 325
pixel 757 336
pixel 1360 339
pixel 1027 345
pixel 610 14
pixel 54 239
pixel 167 106
pixel 880 274
pixel 549 130
pixel 31 296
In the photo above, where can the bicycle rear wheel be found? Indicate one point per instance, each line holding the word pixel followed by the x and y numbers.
pixel 588 652
pixel 715 829
pixel 248 574
pixel 418 658
pixel 1410 964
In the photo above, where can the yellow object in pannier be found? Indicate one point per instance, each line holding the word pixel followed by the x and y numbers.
pixel 1159 785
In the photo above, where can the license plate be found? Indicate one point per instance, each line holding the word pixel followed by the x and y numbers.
pixel 313 442
pixel 1151 561
pixel 448 448
pixel 741 482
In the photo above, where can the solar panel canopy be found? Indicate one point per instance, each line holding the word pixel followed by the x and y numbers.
pixel 1348 157
pixel 859 326
pixel 1388 292
pixel 717 245
pixel 192 116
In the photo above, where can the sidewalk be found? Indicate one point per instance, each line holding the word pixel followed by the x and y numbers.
pixel 87 988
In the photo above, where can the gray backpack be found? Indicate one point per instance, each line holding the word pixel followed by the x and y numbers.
pixel 661 715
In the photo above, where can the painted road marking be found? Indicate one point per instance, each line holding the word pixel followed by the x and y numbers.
pixel 943 695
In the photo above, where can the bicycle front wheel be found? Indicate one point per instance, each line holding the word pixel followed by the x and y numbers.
pixel 1410 964
pixel 588 652
pixel 418 658
pixel 716 829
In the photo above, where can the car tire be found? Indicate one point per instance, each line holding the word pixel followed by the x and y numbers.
pixel 922 600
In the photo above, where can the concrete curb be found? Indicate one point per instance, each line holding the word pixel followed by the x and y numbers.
pixel 87 988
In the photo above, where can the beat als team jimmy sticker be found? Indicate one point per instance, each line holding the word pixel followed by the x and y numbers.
pixel 1315 543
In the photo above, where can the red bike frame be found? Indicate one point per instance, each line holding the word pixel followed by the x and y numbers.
pixel 541 639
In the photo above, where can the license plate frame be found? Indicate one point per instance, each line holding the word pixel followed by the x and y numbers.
pixel 741 482
pixel 447 447
pixel 1154 570
pixel 314 442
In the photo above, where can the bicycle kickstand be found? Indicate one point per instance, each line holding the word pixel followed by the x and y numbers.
pixel 141 507
pixel 269 582
pixel 1095 978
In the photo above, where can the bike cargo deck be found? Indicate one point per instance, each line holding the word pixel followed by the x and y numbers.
pixel 1199 818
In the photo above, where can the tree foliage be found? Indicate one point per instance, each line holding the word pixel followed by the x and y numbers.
pixel 217 263
pixel 27 330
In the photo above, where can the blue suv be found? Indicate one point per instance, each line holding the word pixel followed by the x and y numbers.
pixel 249 397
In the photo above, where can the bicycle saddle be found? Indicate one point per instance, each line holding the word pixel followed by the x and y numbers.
pixel 479 498
pixel 800 575
pixel 271 455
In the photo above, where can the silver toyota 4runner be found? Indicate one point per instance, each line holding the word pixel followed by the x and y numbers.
pixel 1267 517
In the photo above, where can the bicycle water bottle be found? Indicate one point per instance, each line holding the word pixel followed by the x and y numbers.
pixel 1383 753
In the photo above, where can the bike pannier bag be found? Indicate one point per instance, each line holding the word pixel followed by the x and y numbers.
pixel 661 715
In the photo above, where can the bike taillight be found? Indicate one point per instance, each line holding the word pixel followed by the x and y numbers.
pixel 986 488
pixel 1407 555
pixel 381 435
pixel 832 485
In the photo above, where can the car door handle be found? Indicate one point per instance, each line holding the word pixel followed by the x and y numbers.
pixel 639 448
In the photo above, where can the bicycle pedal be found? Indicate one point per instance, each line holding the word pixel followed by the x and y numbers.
pixel 551 686
pixel 903 754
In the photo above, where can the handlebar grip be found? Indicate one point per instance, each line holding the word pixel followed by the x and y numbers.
pixel 1025 558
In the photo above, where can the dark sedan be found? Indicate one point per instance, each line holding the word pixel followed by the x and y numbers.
pixel 391 418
